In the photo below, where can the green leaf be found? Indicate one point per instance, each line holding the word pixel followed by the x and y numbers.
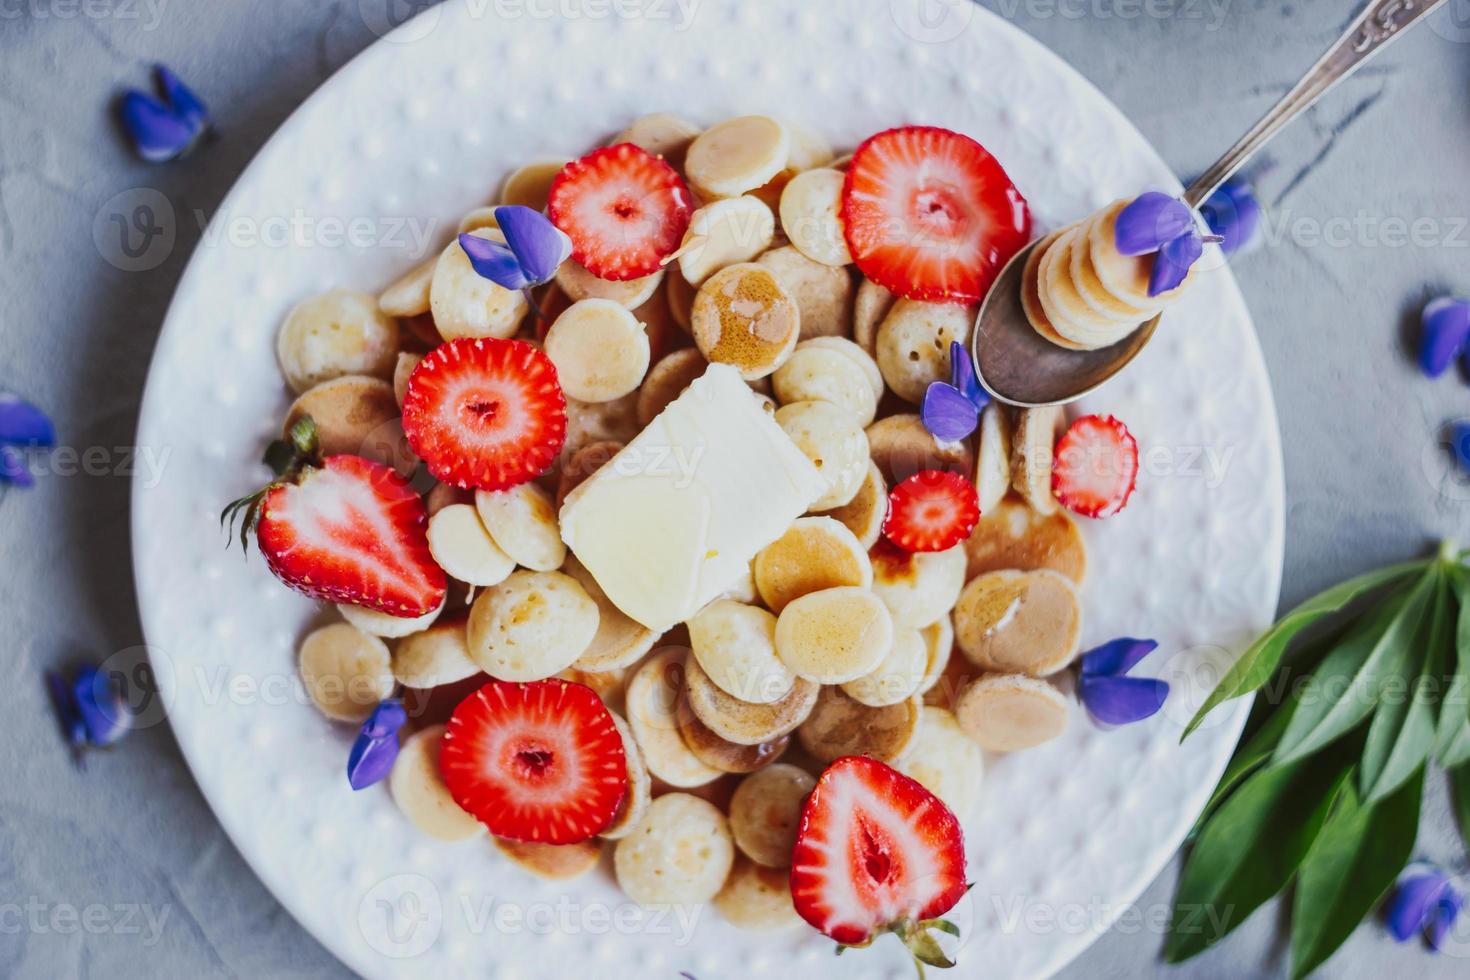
pixel 1256 751
pixel 1345 688
pixel 1262 657
pixel 1460 796
pixel 1351 866
pixel 1455 750
pixel 1402 732
pixel 1249 850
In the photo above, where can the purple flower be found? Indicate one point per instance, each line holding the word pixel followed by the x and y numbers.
pixel 1460 443
pixel 534 249
pixel 166 126
pixel 22 425
pixel 1150 221
pixel 1113 698
pixel 1164 226
pixel 952 410
pixel 1446 328
pixel 377 745
pixel 1233 213
pixel 1425 900
pixel 89 707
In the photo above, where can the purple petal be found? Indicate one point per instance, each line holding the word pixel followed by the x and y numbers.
pixel 1122 700
pixel 494 261
pixel 1233 213
pixel 13 468
pixel 185 104
pixel 540 246
pixel 1150 221
pixel 371 760
pixel 387 718
pixel 962 375
pixel 158 134
pixel 1443 916
pixel 65 706
pixel 101 707
pixel 1172 262
pixel 1117 657
pixel 1460 443
pixel 948 415
pixel 1410 906
pixel 1445 328
pixel 23 424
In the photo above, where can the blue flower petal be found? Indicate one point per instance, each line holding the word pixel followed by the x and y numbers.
pixel 23 424
pixel 1172 262
pixel 540 246
pixel 962 375
pixel 1445 328
pixel 101 707
pixel 186 106
pixel 1150 221
pixel 1460 443
pixel 65 706
pixel 158 134
pixel 1122 700
pixel 494 261
pixel 1117 657
pixel 1412 902
pixel 1443 915
pixel 948 415
pixel 13 468
pixel 1233 213
pixel 376 747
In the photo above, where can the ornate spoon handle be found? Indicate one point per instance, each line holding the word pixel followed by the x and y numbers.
pixel 1379 23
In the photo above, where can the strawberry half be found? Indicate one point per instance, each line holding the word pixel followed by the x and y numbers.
pixel 932 510
pixel 1096 466
pixel 876 852
pixel 624 209
pixel 343 529
pixel 535 762
pixel 929 214
pixel 485 414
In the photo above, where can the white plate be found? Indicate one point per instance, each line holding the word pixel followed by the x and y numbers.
pixel 423 126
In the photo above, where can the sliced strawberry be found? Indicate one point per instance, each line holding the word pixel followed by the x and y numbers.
pixel 535 762
pixel 876 852
pixel 484 413
pixel 350 531
pixel 931 215
pixel 624 209
pixel 931 511
pixel 1096 466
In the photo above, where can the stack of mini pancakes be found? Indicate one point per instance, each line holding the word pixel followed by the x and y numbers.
pixel 1081 293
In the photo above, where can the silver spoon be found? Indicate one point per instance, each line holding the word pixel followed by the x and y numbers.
pixel 1019 367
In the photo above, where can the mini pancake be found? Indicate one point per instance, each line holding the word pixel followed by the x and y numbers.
pixel 917 587
pixel 640 785
pixel 938 639
pixel 765 813
pixel 1013 536
pixel 726 756
pixel 993 457
pixel 1069 315
pixel 334 334
pixel 356 415
pixel 434 657
pixel 735 646
pixel 898 677
pixel 582 464
pixel 1125 276
pixel 530 185
pixel 823 294
pixel 756 897
pixel 389 627
pixel 834 442
pixel 946 761
pixel 522 521
pixel 1033 447
pixel 661 133
pixel 840 726
pixel 619 641
pixel 870 307
pixel 346 672
pixel 680 852
pixel 420 793
pixel 818 374
pixel 815 553
pixel 579 284
pixel 1031 296
pixel 743 317
pixel 736 156
pixel 654 695
pixel 1091 289
pixel 667 380
pixel 835 635
pixel 554 862
pixel 740 721
pixel 1019 622
pixel 914 344
pixel 864 514
pixel 1010 712
pixel 901 447
pixel 464 549
pixel 859 356
pixel 409 296
pixel 722 234
pixel 531 626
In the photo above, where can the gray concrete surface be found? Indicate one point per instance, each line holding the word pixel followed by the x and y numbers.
pixel 122 870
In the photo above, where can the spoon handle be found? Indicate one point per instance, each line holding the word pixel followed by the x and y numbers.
pixel 1379 23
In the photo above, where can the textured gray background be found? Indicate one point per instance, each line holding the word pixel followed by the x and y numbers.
pixel 132 838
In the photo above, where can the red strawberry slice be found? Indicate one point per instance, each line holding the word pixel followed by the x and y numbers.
pixel 1096 466
pixel 624 209
pixel 930 214
pixel 877 852
pixel 350 531
pixel 932 510
pixel 484 413
pixel 535 762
